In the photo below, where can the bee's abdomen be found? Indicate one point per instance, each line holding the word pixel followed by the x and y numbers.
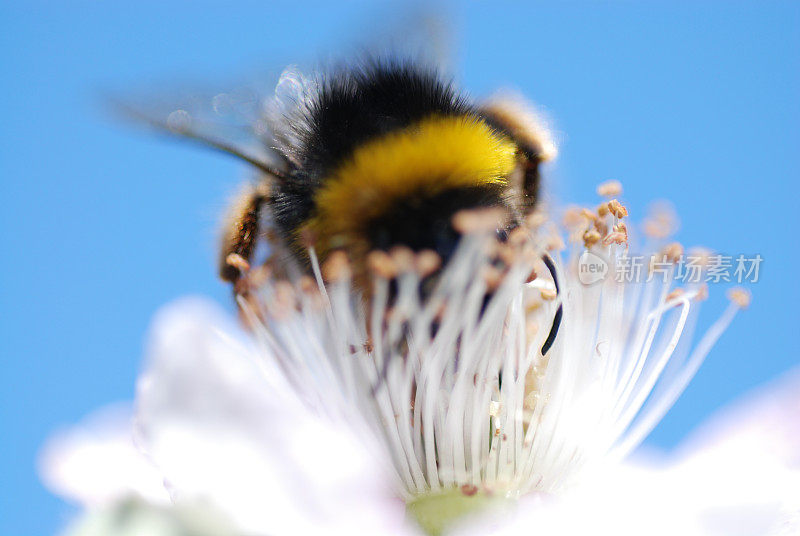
pixel 423 222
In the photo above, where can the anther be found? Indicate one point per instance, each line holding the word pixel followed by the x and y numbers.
pixel 427 262
pixel 238 262
pixel 507 254
pixel 554 242
pixel 601 227
pixel 548 294
pixel 259 275
pixel 518 237
pixel 672 252
pixel 661 222
pixel 336 267
pixel 740 297
pixel 615 238
pixel 588 214
pixel 702 292
pixel 675 294
pixel 492 277
pixel 531 328
pixel 469 489
pixel 403 258
pixel 478 220
pixel 701 256
pixel 380 263
pixel 617 209
pixel 610 188
pixel 591 237
pixel 283 301
pixel 307 284
pixel 573 217
pixel 535 219
pixel 368 347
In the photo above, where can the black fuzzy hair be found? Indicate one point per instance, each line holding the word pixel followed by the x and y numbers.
pixel 362 103
pixel 354 105
pixel 425 222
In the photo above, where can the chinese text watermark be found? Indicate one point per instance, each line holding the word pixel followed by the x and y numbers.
pixel 706 268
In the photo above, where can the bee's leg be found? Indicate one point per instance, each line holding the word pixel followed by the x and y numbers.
pixel 517 118
pixel 241 232
pixel 551 337
pixel 530 183
pixel 514 116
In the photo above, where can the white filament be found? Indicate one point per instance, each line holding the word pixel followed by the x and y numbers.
pixel 458 390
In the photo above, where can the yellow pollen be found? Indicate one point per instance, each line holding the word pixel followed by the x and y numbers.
pixel 591 237
pixel 617 209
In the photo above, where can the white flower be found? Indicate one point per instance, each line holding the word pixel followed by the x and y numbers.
pixel 738 474
pixel 272 467
pixel 220 428
pixel 430 373
pixel 96 462
pixel 334 414
pixel 220 432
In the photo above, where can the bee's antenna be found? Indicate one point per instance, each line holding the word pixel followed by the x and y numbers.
pixel 180 128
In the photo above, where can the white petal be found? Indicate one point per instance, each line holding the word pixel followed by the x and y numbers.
pixel 223 431
pixel 766 421
pixel 744 464
pixel 96 462
pixel 739 474
pixel 131 517
pixel 620 500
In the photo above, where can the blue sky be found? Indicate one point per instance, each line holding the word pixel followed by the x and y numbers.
pixel 696 102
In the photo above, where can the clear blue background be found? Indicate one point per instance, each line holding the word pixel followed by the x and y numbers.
pixel 692 101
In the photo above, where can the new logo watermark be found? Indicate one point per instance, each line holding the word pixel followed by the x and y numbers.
pixel 592 268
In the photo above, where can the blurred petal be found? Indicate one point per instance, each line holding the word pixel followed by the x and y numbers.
pixel 131 517
pixel 766 421
pixel 744 464
pixel 620 500
pixel 96 462
pixel 223 429
pixel 739 474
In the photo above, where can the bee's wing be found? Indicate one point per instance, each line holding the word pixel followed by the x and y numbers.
pixel 420 34
pixel 261 121
pixel 254 121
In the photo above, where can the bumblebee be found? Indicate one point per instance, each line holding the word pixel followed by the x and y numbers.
pixel 379 155
pixel 384 154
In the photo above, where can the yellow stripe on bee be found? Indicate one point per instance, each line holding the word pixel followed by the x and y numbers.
pixel 437 154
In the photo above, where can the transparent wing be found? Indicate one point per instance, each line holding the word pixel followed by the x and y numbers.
pixel 260 120
pixel 421 34
pixel 256 121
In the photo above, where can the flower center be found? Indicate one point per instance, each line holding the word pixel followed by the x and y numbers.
pixel 438 511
